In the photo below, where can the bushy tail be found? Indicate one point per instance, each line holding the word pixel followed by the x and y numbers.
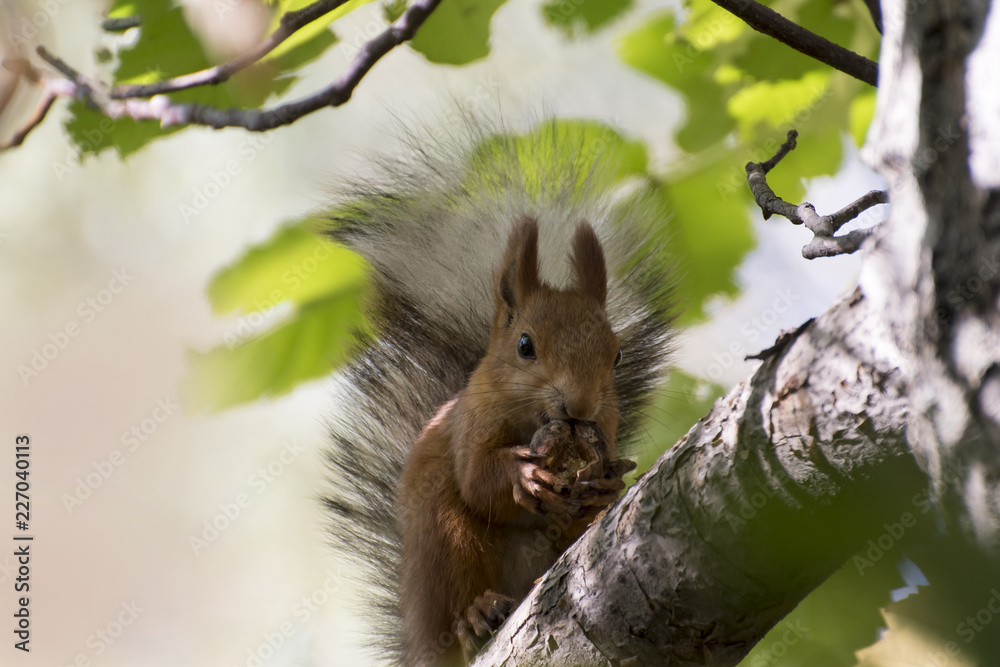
pixel 433 226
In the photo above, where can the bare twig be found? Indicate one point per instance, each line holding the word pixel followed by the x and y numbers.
pixel 122 102
pixel 290 24
pixel 773 24
pixel 823 227
pixel 23 69
pixel 335 94
pixel 37 116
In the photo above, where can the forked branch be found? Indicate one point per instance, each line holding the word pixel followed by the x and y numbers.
pixel 823 227
pixel 130 101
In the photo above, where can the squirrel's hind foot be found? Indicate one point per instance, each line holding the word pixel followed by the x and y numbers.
pixel 483 618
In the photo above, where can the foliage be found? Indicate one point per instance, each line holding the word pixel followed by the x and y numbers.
pixel 298 298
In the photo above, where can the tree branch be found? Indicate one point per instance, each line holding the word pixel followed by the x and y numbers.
pixel 123 102
pixel 289 25
pixel 736 523
pixel 766 20
pixel 823 227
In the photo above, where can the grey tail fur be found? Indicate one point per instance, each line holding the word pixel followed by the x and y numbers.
pixel 433 228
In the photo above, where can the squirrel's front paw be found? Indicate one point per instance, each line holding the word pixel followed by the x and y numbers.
pixel 483 617
pixel 599 485
pixel 538 490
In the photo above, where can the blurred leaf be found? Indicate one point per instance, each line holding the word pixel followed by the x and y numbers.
pixel 775 104
pixel 296 264
pixel 577 16
pixel 676 407
pixel 458 32
pixel 861 114
pixel 317 339
pixel 834 621
pixel 661 51
pixel 318 29
pixel 950 621
pixel 539 163
pixel 166 47
pixel 709 232
pixel 708 25
pixel 324 283
pixel 393 9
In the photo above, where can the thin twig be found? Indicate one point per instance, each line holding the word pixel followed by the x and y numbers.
pixel 766 20
pixel 333 95
pixel 289 25
pixel 823 227
pixel 37 116
pixel 121 102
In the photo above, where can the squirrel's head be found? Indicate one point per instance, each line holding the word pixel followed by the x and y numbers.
pixel 552 352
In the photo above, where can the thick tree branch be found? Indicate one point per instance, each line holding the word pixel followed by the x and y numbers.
pixel 823 227
pixel 742 518
pixel 766 20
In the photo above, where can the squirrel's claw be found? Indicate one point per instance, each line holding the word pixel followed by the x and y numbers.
pixel 534 490
pixel 483 617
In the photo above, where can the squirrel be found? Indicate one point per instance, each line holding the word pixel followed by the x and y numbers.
pixel 477 428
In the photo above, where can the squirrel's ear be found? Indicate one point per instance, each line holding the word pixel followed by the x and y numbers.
pixel 587 259
pixel 518 276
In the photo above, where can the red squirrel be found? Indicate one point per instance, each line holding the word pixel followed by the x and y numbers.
pixel 495 396
pixel 481 482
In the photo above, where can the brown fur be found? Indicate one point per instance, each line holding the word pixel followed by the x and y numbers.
pixel 467 528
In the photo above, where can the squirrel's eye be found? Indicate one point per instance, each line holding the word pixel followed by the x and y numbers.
pixel 618 358
pixel 525 348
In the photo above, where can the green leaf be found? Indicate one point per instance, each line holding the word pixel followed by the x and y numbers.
pixel 861 113
pixel 710 231
pixel 539 163
pixel 166 47
pixel 677 406
pixel 296 264
pixel 324 283
pixel 579 16
pixel 834 621
pixel 663 52
pixel 457 32
pixel 307 347
pixel 774 105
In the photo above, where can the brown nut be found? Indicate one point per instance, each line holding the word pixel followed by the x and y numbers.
pixel 570 448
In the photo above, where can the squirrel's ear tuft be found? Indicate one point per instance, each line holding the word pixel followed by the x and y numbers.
pixel 588 263
pixel 518 275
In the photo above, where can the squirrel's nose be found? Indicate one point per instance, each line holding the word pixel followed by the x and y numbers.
pixel 580 407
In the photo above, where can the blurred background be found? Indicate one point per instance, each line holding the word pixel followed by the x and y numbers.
pixel 176 428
